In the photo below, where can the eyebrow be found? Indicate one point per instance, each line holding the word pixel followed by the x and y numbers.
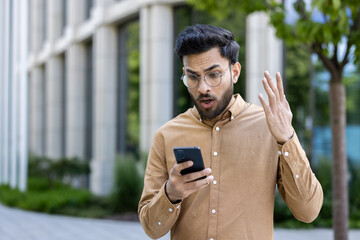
pixel 206 70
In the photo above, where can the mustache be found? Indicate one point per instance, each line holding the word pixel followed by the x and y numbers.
pixel 205 96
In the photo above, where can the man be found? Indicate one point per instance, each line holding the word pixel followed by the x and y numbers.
pixel 247 151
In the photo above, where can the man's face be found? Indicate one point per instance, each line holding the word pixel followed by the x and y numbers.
pixel 211 101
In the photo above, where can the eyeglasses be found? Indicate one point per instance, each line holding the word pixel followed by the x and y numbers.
pixel 212 79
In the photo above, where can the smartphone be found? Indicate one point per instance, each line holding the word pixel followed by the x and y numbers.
pixel 183 154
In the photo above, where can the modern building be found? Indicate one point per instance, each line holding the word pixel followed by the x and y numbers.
pixel 98 78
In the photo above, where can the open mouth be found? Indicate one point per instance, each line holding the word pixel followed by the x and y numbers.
pixel 207 102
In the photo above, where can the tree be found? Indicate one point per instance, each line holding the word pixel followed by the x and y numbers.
pixel 322 26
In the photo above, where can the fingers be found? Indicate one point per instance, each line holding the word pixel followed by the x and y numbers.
pixel 263 103
pixel 280 86
pixel 195 175
pixel 180 186
pixel 275 93
pixel 178 167
pixel 271 84
pixel 201 183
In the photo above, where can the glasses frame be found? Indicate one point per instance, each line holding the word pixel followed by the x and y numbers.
pixel 183 78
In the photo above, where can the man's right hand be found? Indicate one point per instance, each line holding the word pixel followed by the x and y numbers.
pixel 181 186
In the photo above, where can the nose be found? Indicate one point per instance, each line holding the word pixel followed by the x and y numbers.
pixel 203 87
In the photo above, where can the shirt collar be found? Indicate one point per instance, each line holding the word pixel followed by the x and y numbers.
pixel 234 108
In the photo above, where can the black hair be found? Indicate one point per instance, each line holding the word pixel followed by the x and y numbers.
pixel 201 38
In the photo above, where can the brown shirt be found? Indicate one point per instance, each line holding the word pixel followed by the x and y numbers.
pixel 246 163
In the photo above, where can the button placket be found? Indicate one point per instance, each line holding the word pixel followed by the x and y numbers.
pixel 214 188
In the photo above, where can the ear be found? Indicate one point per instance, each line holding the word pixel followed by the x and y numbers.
pixel 236 70
pixel 183 70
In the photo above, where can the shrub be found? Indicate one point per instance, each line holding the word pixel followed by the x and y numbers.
pixel 57 169
pixel 128 184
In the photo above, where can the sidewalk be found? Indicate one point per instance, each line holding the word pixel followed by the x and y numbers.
pixel 17 224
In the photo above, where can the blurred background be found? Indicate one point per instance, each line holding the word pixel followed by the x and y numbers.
pixel 85 84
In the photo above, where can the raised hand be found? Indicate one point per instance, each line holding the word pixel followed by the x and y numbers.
pixel 278 113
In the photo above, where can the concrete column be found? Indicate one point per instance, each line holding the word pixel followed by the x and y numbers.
pixel 36 111
pixel 2 71
pixel 36 123
pixel 36 24
pixel 14 78
pixel 75 85
pixel 75 101
pixel 54 105
pixel 76 12
pixel 54 18
pixel 5 86
pixel 54 86
pixel 22 139
pixel 102 165
pixel 263 52
pixel 156 48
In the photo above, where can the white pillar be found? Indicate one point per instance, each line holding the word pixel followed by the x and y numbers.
pixel 2 90
pixel 54 105
pixel 54 78
pixel 36 111
pixel 156 48
pixel 36 25
pixel 75 84
pixel 102 165
pixel 5 74
pixel 263 52
pixel 14 45
pixel 75 101
pixel 36 81
pixel 23 94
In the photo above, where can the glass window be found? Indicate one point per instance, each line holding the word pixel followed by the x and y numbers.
pixel 45 20
pixel 128 97
pixel 64 15
pixel 89 5
pixel 63 106
pixel 89 101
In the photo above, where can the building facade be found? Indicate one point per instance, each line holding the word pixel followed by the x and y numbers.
pixel 84 59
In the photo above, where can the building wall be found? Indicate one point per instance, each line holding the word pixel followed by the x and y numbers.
pixel 13 93
pixel 64 118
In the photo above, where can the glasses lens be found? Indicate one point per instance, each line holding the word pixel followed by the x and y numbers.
pixel 213 79
pixel 191 80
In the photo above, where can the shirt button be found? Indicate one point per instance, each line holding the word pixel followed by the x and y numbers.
pixel 215 153
pixel 217 129
pixel 279 152
pixel 297 176
pixel 286 154
pixel 213 211
pixel 214 182
pixel 170 209
pixel 159 223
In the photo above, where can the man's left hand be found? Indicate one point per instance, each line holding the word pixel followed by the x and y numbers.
pixel 278 112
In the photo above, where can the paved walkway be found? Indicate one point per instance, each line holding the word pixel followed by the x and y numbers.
pixel 17 224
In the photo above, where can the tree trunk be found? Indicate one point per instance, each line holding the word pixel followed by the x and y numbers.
pixel 339 169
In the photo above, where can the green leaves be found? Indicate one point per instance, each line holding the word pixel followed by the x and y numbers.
pixel 324 22
pixel 221 9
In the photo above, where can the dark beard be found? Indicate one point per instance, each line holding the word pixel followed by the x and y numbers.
pixel 209 114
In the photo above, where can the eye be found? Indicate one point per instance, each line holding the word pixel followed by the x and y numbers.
pixel 192 77
pixel 213 74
